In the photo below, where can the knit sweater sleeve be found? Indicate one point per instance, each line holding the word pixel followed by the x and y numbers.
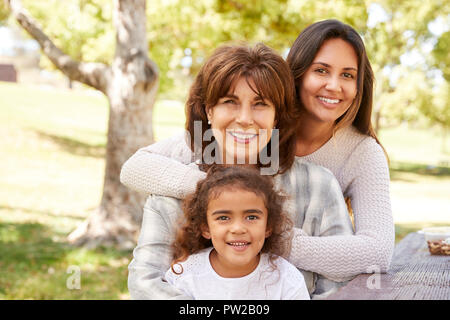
pixel 162 169
pixel 371 248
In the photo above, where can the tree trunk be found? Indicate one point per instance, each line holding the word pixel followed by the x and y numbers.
pixel 131 95
pixel 130 84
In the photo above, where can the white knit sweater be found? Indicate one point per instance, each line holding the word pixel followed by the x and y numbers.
pixel 359 165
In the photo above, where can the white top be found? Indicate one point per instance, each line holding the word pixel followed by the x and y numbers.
pixel 359 165
pixel 200 281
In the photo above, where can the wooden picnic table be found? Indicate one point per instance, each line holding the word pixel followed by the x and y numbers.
pixel 414 274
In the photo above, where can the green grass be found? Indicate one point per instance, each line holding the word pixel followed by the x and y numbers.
pixel 52 149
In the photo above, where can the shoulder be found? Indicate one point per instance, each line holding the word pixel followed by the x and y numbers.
pixel 180 144
pixel 360 143
pixel 162 203
pixel 180 138
pixel 196 264
pixel 366 155
pixel 366 163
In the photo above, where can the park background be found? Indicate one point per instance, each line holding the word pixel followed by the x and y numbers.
pixel 54 131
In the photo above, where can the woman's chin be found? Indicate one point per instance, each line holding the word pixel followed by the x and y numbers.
pixel 242 158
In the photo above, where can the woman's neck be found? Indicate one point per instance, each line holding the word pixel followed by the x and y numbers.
pixel 311 135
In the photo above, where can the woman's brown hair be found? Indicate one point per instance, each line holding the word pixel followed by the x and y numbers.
pixel 305 49
pixel 273 81
pixel 189 239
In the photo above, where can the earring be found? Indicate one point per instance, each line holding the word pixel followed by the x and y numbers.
pixel 209 122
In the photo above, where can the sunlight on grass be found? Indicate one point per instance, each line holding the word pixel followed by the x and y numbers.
pixel 420 145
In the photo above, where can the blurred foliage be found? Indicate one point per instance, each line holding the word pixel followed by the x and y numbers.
pixel 407 93
pixel 411 94
pixel 3 13
pixel 81 28
pixel 202 25
pixel 179 28
pixel 441 54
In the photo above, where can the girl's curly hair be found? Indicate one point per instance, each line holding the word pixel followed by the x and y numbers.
pixel 189 239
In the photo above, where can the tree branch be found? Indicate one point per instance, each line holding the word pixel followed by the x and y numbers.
pixel 89 73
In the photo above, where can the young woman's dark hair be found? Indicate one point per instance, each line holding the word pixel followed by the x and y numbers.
pixel 303 52
pixel 189 239
pixel 273 81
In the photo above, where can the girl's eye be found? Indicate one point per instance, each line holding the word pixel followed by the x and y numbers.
pixel 252 217
pixel 222 218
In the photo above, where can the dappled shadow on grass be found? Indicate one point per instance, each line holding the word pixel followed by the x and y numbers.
pixel 73 146
pixel 26 249
pixel 398 168
pixel 34 264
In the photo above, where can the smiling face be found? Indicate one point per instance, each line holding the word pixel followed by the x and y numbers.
pixel 329 86
pixel 237 221
pixel 242 122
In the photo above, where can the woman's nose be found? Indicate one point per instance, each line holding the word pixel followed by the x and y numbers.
pixel 333 84
pixel 245 115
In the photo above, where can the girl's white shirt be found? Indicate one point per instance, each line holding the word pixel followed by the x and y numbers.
pixel 281 281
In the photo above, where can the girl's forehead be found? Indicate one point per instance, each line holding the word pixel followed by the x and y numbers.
pixel 232 187
pixel 234 194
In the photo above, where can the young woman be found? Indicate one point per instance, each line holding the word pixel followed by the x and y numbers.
pixel 238 92
pixel 334 85
pixel 232 240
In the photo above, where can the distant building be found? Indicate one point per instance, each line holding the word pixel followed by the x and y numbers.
pixel 8 73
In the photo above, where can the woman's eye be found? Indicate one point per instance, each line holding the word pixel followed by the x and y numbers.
pixel 260 104
pixel 320 70
pixel 348 75
pixel 229 101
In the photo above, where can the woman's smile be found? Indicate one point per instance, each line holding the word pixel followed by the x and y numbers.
pixel 242 122
pixel 329 102
pixel 329 85
pixel 242 137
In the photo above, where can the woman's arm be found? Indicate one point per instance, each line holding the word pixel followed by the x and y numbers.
pixel 152 255
pixel 370 250
pixel 162 169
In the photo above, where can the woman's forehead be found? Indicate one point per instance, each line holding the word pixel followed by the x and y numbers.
pixel 240 80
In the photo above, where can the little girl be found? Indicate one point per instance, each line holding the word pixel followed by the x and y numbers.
pixel 232 240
